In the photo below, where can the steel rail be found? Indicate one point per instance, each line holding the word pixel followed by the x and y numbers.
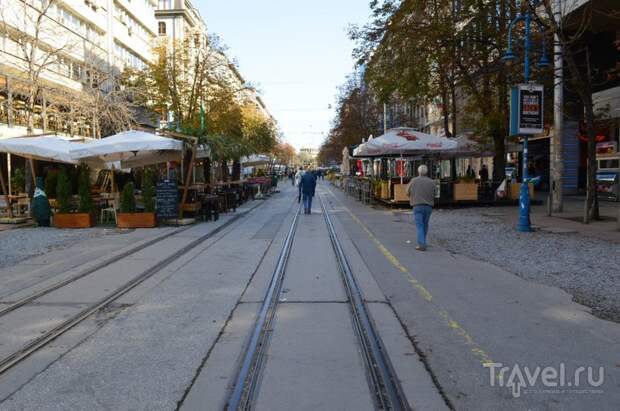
pixel 389 394
pixel 18 356
pixel 247 378
pixel 38 294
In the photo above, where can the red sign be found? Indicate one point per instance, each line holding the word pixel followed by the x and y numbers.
pixel 407 135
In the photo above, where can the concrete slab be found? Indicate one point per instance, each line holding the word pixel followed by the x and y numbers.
pixel 147 357
pixel 364 278
pixel 211 388
pixel 313 361
pixel 97 285
pixel 464 312
pixel 312 273
pixel 417 384
pixel 16 378
pixel 26 324
pixel 258 286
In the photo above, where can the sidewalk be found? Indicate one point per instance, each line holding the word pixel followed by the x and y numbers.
pixel 569 221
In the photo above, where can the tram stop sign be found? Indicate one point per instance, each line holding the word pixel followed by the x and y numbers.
pixel 526 109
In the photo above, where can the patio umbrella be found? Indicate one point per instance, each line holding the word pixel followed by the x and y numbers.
pixel 131 148
pixel 45 148
pixel 404 141
pixel 346 162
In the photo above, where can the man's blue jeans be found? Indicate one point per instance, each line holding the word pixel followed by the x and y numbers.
pixel 421 216
pixel 307 203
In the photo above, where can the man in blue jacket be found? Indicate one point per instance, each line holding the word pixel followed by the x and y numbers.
pixel 307 185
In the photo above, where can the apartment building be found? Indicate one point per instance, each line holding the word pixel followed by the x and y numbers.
pixel 177 20
pixel 80 43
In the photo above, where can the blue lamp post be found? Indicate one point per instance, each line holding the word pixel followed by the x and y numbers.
pixel 524 223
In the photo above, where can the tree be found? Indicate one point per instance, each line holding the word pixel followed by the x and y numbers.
pixel 284 153
pixel 445 50
pixel 570 32
pixel 37 43
pixel 357 112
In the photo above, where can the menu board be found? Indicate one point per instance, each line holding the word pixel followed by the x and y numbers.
pixel 167 193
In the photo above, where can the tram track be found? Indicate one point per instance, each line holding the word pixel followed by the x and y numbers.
pixel 48 336
pixel 382 380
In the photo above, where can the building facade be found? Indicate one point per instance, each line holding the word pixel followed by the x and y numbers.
pixel 66 46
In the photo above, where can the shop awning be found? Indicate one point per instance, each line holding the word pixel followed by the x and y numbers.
pixel 404 141
pixel 131 148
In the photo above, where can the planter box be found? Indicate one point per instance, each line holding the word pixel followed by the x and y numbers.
pixel 136 220
pixel 400 192
pixel 74 220
pixel 465 192
pixel 385 190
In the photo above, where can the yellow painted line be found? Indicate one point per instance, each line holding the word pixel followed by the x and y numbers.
pixel 475 349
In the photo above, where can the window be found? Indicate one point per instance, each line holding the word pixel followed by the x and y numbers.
pixel 162 28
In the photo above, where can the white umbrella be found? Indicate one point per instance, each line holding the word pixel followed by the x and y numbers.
pixel 256 160
pixel 45 148
pixel 404 141
pixel 131 148
pixel 346 166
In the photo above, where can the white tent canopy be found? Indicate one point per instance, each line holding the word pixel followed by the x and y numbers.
pixel 131 148
pixel 404 141
pixel 255 160
pixel 45 148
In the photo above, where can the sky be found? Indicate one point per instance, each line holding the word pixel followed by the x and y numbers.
pixel 295 52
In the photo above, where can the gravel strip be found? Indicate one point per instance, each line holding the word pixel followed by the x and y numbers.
pixel 586 268
pixel 23 243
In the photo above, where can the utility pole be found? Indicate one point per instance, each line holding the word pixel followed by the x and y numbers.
pixel 556 154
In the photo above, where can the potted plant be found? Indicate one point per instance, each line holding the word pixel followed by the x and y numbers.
pixel 84 217
pixel 18 181
pixel 128 217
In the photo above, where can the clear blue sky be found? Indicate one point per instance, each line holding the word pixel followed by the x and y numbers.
pixel 296 52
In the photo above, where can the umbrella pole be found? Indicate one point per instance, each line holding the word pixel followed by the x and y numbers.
pixel 188 177
pixel 402 168
pixel 8 171
pixel 34 174
pixel 112 182
pixel 6 195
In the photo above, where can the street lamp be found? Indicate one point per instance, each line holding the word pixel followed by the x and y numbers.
pixel 509 58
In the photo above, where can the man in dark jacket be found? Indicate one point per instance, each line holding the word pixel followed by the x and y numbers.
pixel 307 185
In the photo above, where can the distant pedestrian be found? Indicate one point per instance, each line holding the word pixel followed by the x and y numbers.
pixel 421 192
pixel 298 175
pixel 307 186
pixel 470 172
pixel 484 174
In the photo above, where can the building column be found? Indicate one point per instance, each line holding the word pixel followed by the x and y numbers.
pixel 9 102
pixel 44 113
